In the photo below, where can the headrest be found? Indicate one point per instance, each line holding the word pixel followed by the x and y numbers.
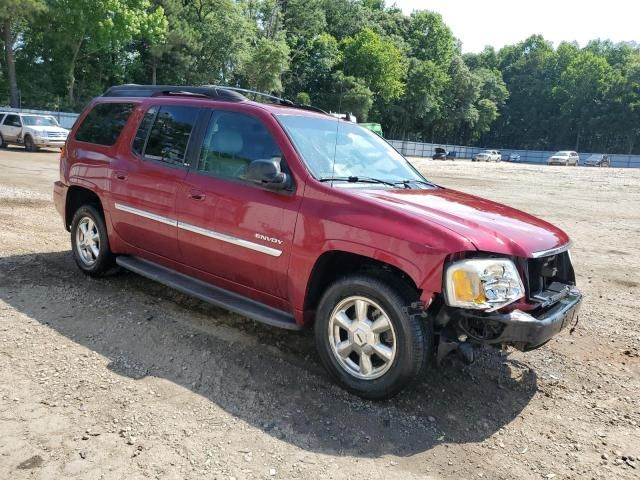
pixel 227 141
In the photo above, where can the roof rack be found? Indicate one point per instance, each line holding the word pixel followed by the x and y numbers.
pixel 217 92
pixel 209 91
pixel 278 100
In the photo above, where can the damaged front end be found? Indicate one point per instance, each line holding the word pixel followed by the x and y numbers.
pixel 519 302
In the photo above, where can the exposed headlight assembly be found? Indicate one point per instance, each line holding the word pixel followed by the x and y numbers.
pixel 482 284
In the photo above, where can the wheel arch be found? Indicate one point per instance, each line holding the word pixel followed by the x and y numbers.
pixel 78 196
pixel 334 264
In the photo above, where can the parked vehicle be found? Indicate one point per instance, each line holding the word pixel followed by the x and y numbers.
pixel 374 127
pixel 511 157
pixel 442 154
pixel 564 157
pixel 597 160
pixel 487 156
pixel 294 218
pixel 30 130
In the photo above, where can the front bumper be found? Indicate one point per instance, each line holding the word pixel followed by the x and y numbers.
pixel 527 331
pixel 44 142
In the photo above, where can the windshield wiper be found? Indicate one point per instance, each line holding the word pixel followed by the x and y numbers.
pixel 407 183
pixel 354 179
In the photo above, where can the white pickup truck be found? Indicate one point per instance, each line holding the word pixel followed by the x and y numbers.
pixel 31 130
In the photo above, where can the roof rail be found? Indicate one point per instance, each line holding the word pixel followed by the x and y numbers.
pixel 209 91
pixel 278 100
pixel 217 92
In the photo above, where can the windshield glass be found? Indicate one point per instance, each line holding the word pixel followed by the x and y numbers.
pixel 358 152
pixel 562 154
pixel 39 121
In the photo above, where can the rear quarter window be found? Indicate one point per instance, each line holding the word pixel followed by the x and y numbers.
pixel 103 124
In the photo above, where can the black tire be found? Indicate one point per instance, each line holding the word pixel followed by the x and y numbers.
pixel 29 145
pixel 413 337
pixel 105 260
pixel 2 144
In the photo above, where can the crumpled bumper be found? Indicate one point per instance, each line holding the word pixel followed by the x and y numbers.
pixel 527 331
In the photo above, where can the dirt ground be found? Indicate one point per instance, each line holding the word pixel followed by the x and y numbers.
pixel 123 378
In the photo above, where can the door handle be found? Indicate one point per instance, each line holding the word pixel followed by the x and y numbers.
pixel 196 195
pixel 121 175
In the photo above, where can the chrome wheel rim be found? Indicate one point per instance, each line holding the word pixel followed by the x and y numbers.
pixel 362 338
pixel 88 241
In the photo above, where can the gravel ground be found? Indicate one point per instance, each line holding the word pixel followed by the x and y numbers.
pixel 124 378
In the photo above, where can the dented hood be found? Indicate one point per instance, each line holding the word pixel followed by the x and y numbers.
pixel 490 226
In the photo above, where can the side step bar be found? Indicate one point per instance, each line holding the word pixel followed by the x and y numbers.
pixel 209 293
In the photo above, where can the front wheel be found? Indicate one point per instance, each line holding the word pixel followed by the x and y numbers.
pixel 29 146
pixel 90 243
pixel 366 338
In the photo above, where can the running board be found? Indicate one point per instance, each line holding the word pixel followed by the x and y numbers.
pixel 214 295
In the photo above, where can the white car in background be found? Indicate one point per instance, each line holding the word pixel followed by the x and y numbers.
pixel 488 156
pixel 31 130
pixel 564 157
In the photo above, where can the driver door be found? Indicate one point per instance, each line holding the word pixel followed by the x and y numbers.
pixel 227 226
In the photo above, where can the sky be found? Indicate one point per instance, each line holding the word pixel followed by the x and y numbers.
pixel 478 23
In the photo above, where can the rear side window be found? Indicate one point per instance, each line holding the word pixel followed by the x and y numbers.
pixel 104 123
pixel 12 121
pixel 169 136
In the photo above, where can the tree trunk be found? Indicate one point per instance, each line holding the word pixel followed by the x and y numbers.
pixel 154 71
pixel 72 70
pixel 11 64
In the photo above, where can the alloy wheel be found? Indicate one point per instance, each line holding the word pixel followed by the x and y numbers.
pixel 362 338
pixel 87 241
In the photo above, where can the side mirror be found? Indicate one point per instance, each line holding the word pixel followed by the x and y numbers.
pixel 267 173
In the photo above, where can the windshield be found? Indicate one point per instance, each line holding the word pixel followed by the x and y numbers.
pixel 562 154
pixel 357 151
pixel 39 121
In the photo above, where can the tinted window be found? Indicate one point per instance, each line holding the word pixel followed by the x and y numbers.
pixel 143 131
pixel 170 134
pixel 104 123
pixel 233 140
pixel 12 121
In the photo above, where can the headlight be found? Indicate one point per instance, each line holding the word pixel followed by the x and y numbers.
pixel 482 284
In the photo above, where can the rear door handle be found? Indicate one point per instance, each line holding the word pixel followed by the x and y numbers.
pixel 121 175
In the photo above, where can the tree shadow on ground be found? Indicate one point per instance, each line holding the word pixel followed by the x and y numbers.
pixel 267 377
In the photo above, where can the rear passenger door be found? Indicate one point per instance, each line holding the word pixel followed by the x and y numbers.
pixel 229 227
pixel 145 182
pixel 11 128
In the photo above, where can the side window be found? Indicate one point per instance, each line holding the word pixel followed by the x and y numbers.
pixel 104 123
pixel 12 121
pixel 170 133
pixel 142 134
pixel 233 140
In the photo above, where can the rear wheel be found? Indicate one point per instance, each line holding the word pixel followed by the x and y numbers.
pixel 366 338
pixel 2 144
pixel 90 243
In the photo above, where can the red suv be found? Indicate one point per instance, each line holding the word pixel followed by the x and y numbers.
pixel 291 217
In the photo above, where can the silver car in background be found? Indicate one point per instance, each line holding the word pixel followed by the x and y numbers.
pixel 564 157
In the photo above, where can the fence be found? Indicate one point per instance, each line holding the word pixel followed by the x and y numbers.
pixel 417 149
pixel 65 119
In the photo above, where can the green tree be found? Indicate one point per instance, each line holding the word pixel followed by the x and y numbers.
pixel 266 63
pixel 13 14
pixel 583 89
pixel 377 61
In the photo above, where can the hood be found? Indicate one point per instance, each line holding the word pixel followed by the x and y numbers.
pixel 42 128
pixel 490 226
